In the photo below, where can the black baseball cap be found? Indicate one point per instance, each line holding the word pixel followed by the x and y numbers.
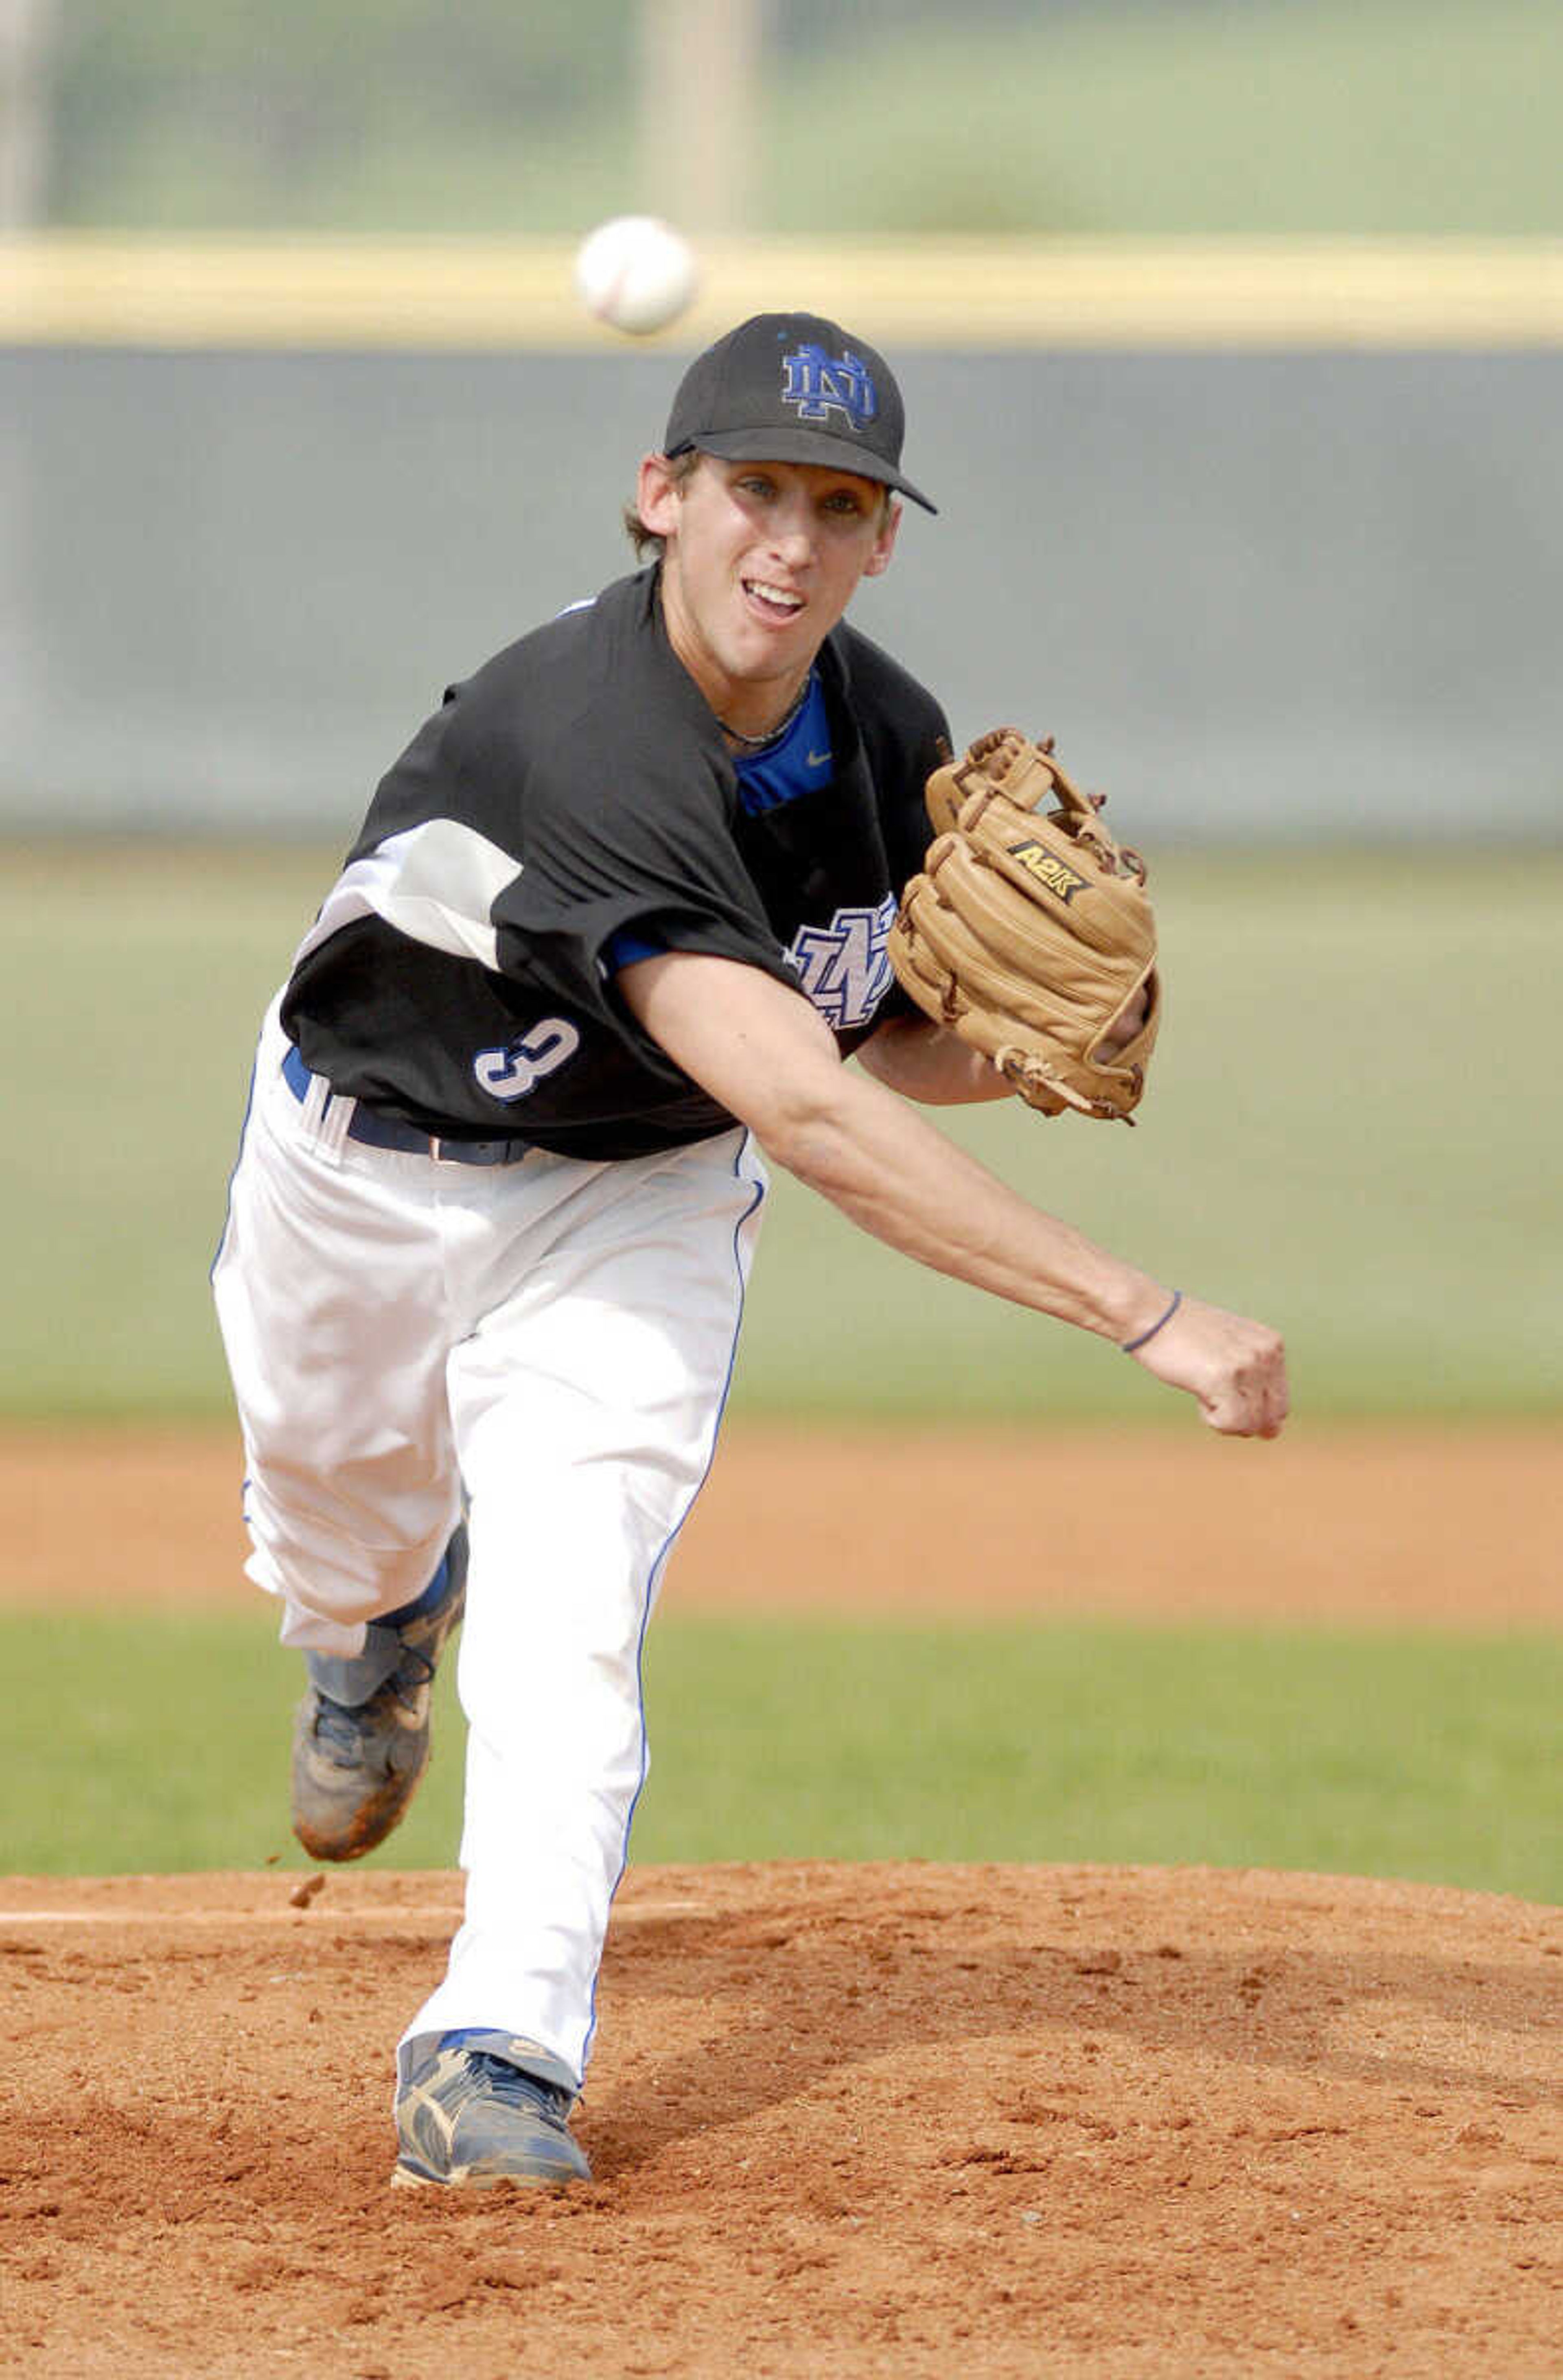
pixel 794 388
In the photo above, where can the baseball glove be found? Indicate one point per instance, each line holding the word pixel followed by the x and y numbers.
pixel 1028 932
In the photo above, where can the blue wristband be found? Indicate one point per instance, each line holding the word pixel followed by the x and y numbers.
pixel 1132 1346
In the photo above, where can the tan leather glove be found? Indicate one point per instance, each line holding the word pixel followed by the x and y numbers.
pixel 1028 932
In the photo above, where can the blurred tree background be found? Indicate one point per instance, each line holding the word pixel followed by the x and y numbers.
pixel 1199 116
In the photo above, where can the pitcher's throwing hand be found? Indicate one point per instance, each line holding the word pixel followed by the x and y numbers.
pixel 1237 1368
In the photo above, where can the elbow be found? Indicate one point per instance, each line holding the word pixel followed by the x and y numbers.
pixel 804 1128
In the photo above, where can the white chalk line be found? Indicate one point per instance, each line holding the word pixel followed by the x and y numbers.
pixel 318 1908
pixel 229 1916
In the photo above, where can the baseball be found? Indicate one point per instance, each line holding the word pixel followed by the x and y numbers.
pixel 636 273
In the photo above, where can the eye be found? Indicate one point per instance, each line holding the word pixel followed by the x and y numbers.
pixel 755 483
pixel 845 502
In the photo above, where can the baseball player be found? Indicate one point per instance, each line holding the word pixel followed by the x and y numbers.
pixel 614 921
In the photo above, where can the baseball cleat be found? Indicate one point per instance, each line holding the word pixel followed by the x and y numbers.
pixel 467 2112
pixel 360 1735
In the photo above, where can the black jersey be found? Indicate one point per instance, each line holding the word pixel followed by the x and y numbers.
pixel 575 792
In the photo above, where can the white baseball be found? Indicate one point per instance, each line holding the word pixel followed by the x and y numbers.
pixel 636 273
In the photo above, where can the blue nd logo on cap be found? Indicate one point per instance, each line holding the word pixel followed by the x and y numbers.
pixel 814 382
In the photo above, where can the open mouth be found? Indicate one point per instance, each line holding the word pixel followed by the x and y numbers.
pixel 776 603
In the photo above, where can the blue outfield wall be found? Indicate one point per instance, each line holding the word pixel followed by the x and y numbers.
pixel 1256 596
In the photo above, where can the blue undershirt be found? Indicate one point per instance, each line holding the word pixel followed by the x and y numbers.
pixel 798 763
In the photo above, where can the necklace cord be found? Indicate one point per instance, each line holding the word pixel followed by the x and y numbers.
pixel 752 743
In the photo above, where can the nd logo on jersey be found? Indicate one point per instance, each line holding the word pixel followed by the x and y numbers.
pixel 844 967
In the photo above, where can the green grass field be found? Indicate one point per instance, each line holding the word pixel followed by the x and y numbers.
pixel 161 1743
pixel 1352 1131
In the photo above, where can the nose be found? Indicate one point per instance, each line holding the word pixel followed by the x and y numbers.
pixel 793 530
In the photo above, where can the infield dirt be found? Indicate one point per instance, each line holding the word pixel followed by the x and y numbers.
pixel 1107 2123
pixel 1457 1527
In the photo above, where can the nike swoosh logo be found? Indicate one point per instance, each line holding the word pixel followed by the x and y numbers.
pixel 818 760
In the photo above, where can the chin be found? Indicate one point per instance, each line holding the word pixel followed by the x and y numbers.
pixel 774 651
pixel 747 667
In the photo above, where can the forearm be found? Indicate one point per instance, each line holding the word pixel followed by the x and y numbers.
pixel 761 1050
pixel 900 1179
pixel 764 1053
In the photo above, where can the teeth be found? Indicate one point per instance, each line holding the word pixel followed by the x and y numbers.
pixel 775 594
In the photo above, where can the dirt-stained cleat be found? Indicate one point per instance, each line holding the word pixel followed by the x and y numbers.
pixel 475 2109
pixel 360 1735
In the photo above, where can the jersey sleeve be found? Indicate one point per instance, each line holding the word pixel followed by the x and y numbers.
pixel 629 857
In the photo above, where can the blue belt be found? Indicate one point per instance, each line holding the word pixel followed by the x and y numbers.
pixel 387 1131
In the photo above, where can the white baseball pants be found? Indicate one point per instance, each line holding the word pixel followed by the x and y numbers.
pixel 552 1340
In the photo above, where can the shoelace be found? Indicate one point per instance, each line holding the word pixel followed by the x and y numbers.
pixel 498 2079
pixel 345 1725
pixel 342 1728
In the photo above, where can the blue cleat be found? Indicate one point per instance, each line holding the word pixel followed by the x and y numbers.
pixel 360 1735
pixel 469 2111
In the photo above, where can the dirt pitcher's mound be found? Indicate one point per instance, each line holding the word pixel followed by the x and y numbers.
pixel 877 2120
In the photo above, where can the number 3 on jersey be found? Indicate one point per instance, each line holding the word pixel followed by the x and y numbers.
pixel 511 1072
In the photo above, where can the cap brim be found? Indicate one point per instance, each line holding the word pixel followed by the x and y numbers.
pixel 801 446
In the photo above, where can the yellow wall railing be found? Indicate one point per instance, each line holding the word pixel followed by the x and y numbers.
pixel 497 294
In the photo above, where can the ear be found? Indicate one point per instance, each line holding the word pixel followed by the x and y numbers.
pixel 657 496
pixel 883 544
